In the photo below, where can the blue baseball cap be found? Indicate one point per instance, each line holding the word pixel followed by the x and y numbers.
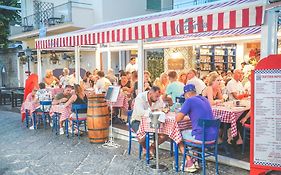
pixel 188 88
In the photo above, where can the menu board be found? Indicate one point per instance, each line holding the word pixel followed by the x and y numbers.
pixel 267 120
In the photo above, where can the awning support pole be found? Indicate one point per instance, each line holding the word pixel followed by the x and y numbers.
pixel 269 33
pixel 39 66
pixel 108 58
pixel 98 57
pixel 140 66
pixel 77 64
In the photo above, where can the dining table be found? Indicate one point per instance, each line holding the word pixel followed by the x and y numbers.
pixel 229 112
pixel 170 127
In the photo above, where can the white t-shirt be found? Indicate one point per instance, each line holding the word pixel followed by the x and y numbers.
pixel 102 84
pixel 131 67
pixel 198 83
pixel 142 107
pixel 234 86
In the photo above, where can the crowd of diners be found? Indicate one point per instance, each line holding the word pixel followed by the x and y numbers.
pixel 200 94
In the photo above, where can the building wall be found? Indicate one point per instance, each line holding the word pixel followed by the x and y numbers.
pixel 8 58
pixel 125 9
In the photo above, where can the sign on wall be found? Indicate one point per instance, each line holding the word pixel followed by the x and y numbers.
pixel 175 64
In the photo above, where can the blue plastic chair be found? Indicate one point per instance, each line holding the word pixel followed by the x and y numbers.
pixel 190 145
pixel 181 100
pixel 246 136
pixel 78 121
pixel 56 119
pixel 27 119
pixel 44 112
pixel 132 134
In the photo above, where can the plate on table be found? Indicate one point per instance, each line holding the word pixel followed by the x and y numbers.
pixel 239 107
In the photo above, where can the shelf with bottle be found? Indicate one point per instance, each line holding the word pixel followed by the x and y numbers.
pixel 209 58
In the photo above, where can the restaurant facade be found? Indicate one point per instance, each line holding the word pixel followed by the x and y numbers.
pixel 213 36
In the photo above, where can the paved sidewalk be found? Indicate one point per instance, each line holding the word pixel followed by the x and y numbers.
pixel 24 151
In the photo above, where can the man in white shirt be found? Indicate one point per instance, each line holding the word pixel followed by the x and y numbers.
pixel 102 83
pixel 146 102
pixel 132 66
pixel 234 86
pixel 198 83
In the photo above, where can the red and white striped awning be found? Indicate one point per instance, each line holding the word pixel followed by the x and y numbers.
pixel 213 34
pixel 201 19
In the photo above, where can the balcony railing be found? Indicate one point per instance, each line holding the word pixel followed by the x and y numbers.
pixel 189 3
pixel 50 17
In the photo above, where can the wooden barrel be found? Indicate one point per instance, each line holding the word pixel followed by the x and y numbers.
pixel 98 118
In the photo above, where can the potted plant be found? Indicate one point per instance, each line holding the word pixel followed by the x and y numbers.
pixel 23 59
pixel 54 59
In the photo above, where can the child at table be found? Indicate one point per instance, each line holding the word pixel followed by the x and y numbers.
pixel 43 95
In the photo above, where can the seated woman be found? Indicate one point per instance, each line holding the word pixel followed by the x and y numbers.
pixel 79 97
pixel 213 91
pixel 162 83
pixel 30 103
pixel 182 77
pixel 65 78
pixel 50 79
pixel 125 83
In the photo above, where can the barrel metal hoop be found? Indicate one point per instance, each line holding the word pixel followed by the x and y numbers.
pixel 93 107
pixel 99 138
pixel 95 116
pixel 100 129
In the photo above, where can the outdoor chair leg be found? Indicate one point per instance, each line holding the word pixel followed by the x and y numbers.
pixel 26 118
pixel 216 159
pixel 130 143
pixel 34 120
pixel 184 158
pixel 140 151
pixel 66 128
pixel 176 155
pixel 147 147
pixel 203 160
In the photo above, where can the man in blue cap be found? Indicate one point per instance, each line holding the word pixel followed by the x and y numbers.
pixel 196 107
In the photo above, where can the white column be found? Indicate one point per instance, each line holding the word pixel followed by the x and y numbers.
pixel 98 51
pixel 39 65
pixel 120 60
pixel 140 65
pixel 77 64
pixel 18 72
pixel 240 51
pixel 269 33
pixel 108 58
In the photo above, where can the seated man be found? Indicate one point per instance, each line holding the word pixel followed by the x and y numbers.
pixel 146 102
pixel 63 98
pixel 196 107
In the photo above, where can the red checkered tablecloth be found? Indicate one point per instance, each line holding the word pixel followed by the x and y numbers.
pixel 229 115
pixel 64 111
pixel 170 127
pixel 30 106
pixel 122 101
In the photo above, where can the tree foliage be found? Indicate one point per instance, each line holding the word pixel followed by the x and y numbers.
pixel 7 17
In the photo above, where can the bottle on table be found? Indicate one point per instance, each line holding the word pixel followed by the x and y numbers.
pixel 177 106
